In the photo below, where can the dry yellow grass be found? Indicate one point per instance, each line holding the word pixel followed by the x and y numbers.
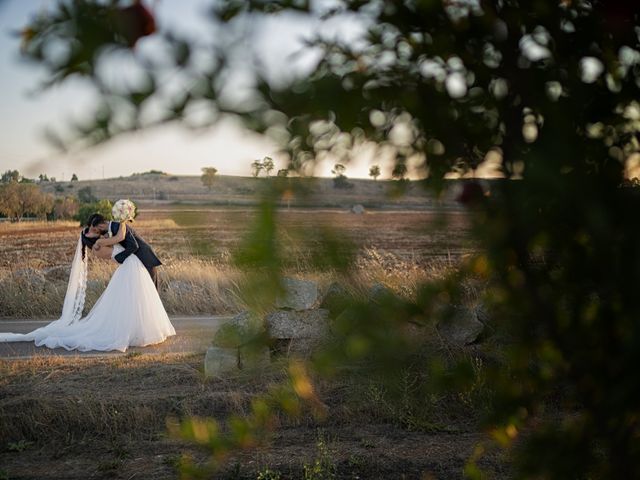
pixel 193 286
pixel 7 227
pixel 36 225
pixel 397 249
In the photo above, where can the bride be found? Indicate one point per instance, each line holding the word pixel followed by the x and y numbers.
pixel 128 313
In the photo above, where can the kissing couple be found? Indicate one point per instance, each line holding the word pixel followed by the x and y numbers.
pixel 128 313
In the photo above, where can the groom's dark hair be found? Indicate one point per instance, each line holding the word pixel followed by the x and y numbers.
pixel 95 219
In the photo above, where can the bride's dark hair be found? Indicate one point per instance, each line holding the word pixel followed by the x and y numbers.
pixel 86 241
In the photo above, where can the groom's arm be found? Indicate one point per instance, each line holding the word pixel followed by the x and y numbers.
pixel 119 236
pixel 130 246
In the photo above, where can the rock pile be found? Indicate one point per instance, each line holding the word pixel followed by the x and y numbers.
pixel 300 321
pixel 296 325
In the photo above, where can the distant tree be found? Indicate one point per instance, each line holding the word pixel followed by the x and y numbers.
pixel 374 171
pixel 10 176
pixel 43 177
pixel 340 179
pixel 338 169
pixel 27 180
pixel 65 208
pixel 19 200
pixel 44 206
pixel 149 172
pixel 268 165
pixel 208 176
pixel 283 172
pixel 399 171
pixel 53 179
pixel 256 167
pixel 74 178
pixel 85 195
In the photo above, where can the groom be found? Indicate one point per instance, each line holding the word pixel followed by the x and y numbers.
pixel 132 243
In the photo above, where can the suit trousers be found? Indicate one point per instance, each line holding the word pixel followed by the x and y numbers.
pixel 153 271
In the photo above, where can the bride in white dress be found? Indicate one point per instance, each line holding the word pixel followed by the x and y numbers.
pixel 128 313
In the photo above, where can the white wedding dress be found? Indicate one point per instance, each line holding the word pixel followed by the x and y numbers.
pixel 128 313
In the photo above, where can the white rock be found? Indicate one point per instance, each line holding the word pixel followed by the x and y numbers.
pixel 307 324
pixel 300 294
pixel 357 209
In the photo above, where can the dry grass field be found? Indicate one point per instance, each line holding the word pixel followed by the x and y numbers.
pixel 78 417
pixel 394 247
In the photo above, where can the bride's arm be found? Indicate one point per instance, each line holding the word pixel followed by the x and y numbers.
pixel 117 238
pixel 103 253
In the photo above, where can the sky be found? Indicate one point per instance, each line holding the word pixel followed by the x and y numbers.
pixel 26 113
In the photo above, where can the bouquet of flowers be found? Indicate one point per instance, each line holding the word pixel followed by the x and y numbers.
pixel 123 210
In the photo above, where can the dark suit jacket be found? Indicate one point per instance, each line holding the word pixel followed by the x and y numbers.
pixel 133 243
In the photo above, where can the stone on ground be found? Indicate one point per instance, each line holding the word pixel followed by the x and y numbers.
pixel 300 294
pixel 357 209
pixel 238 331
pixel 57 274
pixel 290 324
pixel 462 328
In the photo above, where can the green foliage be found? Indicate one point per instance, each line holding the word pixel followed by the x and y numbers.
pixel 103 207
pixel 10 176
pixel 74 178
pixel 374 171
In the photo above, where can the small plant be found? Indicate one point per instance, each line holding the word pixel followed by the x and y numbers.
pixel 356 461
pixel 268 474
pixel 109 465
pixel 323 467
pixel 173 461
pixel 18 446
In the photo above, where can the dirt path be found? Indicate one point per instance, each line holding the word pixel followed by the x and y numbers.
pixel 193 335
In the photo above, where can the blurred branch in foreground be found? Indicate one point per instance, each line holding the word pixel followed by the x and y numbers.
pixel 547 90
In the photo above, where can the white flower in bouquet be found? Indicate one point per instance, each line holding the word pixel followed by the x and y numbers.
pixel 123 210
